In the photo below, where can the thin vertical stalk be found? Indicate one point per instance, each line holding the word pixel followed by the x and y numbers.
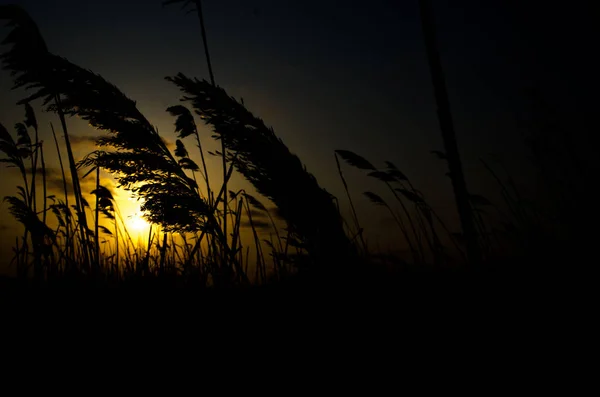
pixel 163 253
pixel 206 179
pixel 147 258
pixel 96 220
pixel 355 217
pixel 254 234
pixel 34 161
pixel 37 259
pixel 447 127
pixel 44 187
pixel 64 179
pixel 116 245
pixel 410 221
pixel 76 186
pixel 205 41
pixel 223 151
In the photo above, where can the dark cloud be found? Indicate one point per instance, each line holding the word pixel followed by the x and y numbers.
pixel 52 173
pixel 170 144
pixel 258 225
pixel 54 183
pixel 257 214
pixel 78 141
pixel 276 213
pixel 39 171
pixel 54 180
pixel 83 140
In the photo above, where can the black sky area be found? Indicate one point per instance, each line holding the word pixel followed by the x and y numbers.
pixel 345 75
pixel 490 49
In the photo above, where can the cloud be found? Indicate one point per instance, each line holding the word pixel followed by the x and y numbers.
pixel 55 184
pixel 39 171
pixel 276 213
pixel 258 225
pixel 170 144
pixel 257 214
pixel 90 140
pixel 83 140
pixel 78 141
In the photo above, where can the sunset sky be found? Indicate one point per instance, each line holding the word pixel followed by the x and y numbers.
pixel 327 75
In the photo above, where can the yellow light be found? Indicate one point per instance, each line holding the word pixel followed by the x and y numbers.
pixel 137 223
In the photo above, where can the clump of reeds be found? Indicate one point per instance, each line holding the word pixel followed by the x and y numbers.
pixel 264 160
pixel 134 152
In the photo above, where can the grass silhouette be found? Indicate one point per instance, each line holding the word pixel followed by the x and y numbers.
pixel 195 235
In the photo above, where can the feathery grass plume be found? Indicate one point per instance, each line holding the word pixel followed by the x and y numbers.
pixel 184 127
pixel 21 211
pixel 142 161
pixel 253 201
pixel 56 210
pixel 197 6
pixel 184 124
pixel 14 153
pixel 23 137
pixel 30 119
pixel 33 66
pixel 41 235
pixel 395 172
pixel 265 161
pixel 355 160
pixel 105 230
pixel 375 199
pixel 142 158
pixel 105 197
pixel 180 150
pixel 413 197
pixel 28 46
pixel 383 176
pixel 387 177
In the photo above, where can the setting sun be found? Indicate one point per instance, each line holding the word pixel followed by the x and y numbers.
pixel 137 223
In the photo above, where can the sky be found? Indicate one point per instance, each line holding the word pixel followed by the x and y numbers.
pixel 332 75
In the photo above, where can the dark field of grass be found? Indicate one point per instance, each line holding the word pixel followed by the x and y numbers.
pixel 195 242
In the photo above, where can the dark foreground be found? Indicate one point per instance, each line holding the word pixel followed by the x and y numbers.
pixel 420 282
pixel 378 303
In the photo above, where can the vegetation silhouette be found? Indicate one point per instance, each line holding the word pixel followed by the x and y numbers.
pixel 201 224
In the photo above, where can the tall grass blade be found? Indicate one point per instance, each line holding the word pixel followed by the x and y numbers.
pixel 447 128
